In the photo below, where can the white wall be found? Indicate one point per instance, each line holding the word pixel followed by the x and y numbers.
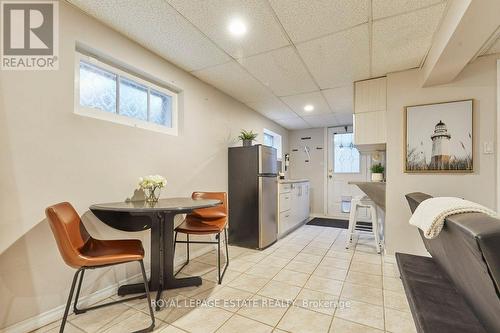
pixel 49 154
pixel 477 81
pixel 315 169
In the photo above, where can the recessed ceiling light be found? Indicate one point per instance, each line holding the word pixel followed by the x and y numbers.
pixel 237 27
pixel 308 108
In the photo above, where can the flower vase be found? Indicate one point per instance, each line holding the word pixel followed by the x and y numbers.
pixel 152 194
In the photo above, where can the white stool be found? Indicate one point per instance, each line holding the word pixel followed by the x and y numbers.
pixel 356 203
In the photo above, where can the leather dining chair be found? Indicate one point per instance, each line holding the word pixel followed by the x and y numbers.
pixel 206 221
pixel 79 250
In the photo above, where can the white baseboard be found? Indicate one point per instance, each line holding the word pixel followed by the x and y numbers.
pixel 56 313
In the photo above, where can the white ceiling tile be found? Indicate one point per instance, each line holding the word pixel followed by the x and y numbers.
pixel 339 59
pixel 344 118
pixel 272 108
pixel 401 42
pixel 158 27
pixel 234 81
pixel 322 120
pixel 306 19
pixel 281 70
pixel 213 17
pixel 384 8
pixel 297 103
pixel 495 48
pixel 340 99
pixel 293 123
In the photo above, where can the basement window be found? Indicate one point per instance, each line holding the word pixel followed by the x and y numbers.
pixel 107 92
pixel 272 139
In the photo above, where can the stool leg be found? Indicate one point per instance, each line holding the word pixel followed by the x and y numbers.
pixel 352 223
pixel 373 212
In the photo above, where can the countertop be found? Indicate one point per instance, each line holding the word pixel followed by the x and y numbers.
pixel 374 190
pixel 289 181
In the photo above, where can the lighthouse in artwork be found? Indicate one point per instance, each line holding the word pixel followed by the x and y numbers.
pixel 440 147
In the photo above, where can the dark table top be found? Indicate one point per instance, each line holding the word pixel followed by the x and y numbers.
pixel 163 205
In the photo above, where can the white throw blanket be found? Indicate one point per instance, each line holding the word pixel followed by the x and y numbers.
pixel 431 213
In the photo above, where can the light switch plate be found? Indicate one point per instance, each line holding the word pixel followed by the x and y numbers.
pixel 488 147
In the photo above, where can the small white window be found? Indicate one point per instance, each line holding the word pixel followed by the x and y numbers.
pixel 106 92
pixel 272 139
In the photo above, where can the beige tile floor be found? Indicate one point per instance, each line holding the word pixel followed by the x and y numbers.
pixel 310 266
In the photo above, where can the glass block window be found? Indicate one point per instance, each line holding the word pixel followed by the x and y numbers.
pixel 123 97
pixel 159 107
pixel 346 156
pixel 133 100
pixel 97 88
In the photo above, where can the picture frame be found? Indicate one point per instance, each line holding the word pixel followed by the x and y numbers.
pixel 439 138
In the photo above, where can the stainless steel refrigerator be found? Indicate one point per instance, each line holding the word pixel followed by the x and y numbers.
pixel 253 195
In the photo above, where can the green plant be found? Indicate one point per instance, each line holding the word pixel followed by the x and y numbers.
pixel 247 135
pixel 377 168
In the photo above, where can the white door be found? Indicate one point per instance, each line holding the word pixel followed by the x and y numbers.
pixel 345 164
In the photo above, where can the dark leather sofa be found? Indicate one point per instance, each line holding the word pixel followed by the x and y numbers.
pixel 457 290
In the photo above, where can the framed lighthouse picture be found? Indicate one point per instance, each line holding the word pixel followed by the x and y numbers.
pixel 439 137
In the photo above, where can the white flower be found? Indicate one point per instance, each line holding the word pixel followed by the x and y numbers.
pixel 151 182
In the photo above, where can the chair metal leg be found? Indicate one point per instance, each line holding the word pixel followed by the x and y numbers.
pixel 79 311
pixel 146 287
pixel 175 242
pixel 68 304
pixel 187 248
pixel 227 251
pixel 75 309
pixel 218 259
pixel 187 252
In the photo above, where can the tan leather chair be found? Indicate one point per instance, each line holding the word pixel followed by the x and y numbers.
pixel 79 250
pixel 206 221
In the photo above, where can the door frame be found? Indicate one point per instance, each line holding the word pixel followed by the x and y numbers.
pixel 329 160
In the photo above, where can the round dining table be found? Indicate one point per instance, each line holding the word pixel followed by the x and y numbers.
pixel 159 218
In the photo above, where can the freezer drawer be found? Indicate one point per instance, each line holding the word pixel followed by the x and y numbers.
pixel 268 161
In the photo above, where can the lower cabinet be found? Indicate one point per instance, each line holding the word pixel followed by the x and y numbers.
pixel 293 205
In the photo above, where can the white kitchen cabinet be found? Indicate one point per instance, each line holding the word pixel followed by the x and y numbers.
pixel 293 205
pixel 370 128
pixel 370 95
pixel 370 104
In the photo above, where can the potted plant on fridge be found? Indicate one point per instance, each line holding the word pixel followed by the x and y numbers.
pixel 377 172
pixel 247 137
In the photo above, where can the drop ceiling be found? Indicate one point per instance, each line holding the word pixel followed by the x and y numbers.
pixel 295 53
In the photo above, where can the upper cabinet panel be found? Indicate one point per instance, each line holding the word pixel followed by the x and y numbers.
pixel 370 95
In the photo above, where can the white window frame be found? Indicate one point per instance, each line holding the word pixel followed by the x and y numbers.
pixel 97 113
pixel 276 138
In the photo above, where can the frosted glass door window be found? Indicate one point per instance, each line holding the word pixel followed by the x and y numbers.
pixel 97 88
pixel 133 100
pixel 346 156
